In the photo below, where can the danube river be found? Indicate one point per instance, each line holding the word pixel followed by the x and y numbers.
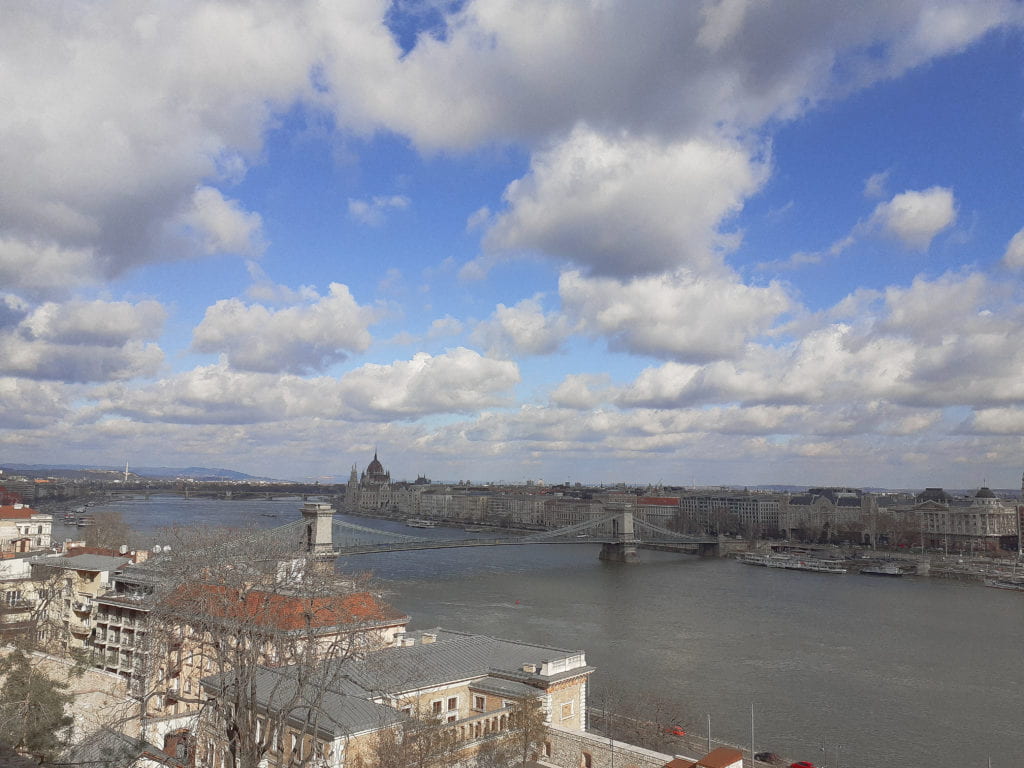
pixel 840 669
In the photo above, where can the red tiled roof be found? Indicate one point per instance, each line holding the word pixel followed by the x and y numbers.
pixel 721 758
pixel 8 512
pixel 658 501
pixel 285 612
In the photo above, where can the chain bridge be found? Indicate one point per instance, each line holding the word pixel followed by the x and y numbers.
pixel 618 532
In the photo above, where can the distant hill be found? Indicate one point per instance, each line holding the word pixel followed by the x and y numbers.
pixel 84 470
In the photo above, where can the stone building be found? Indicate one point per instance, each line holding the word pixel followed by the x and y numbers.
pixel 468 684
pixel 23 529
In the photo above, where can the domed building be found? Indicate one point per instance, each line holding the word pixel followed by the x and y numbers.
pixel 369 491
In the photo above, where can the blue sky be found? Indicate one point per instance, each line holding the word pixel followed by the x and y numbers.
pixel 733 242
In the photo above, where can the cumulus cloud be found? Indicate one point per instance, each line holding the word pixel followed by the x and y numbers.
pixel 522 329
pixel 909 352
pixel 582 391
pixel 623 205
pixel 120 123
pixel 526 70
pixel 26 404
pixel 682 316
pixel 96 323
pixel 110 133
pixel 83 341
pixel 916 217
pixel 373 211
pixel 460 380
pixel 298 339
pixel 221 226
pixel 1014 256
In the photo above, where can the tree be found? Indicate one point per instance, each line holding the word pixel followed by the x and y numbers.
pixel 226 605
pixel 33 717
pixel 109 531
pixel 422 741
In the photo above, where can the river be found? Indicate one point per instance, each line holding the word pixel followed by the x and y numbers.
pixel 876 671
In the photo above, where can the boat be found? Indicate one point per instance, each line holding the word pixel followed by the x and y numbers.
pixel 1014 583
pixel 791 563
pixel 886 569
pixel 413 523
pixel 84 520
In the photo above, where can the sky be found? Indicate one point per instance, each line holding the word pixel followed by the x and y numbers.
pixel 730 242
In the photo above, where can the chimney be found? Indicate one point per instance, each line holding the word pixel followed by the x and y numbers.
pixel 530 669
pixel 428 638
pixel 408 642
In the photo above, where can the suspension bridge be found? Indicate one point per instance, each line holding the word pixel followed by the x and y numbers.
pixel 618 532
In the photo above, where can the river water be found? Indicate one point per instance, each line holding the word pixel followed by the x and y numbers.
pixel 839 668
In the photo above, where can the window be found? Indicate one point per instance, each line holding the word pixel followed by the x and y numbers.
pixel 547 749
pixel 453 703
pixel 567 710
pixel 480 703
pixel 588 761
pixel 452 718
pixel 435 707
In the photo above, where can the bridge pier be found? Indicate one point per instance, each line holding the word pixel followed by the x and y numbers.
pixel 619 552
pixel 708 550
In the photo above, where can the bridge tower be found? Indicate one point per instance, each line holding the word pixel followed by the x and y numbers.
pixel 623 549
pixel 319 519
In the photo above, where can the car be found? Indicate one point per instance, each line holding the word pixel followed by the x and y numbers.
pixel 675 730
pixel 801 764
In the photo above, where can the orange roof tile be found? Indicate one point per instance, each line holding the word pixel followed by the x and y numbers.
pixel 285 612
pixel 8 512
pixel 723 757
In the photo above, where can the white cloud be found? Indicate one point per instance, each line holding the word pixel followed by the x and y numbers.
pixel 83 341
pixel 1014 256
pixel 373 211
pixel 527 70
pixel 941 343
pixel 26 404
pixel 298 339
pixel 582 391
pixel 97 323
pixel 916 217
pixel 115 117
pixel 875 184
pixel 621 205
pixel 222 226
pixel 457 381
pixel 40 269
pixel 682 316
pixel 522 329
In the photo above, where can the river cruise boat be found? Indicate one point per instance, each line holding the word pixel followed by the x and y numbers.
pixel 413 523
pixel 1014 583
pixel 886 569
pixel 790 563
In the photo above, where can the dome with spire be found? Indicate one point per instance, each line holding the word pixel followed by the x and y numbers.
pixel 375 472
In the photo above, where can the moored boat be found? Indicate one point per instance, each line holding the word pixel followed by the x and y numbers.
pixel 1014 583
pixel 886 569
pixel 413 523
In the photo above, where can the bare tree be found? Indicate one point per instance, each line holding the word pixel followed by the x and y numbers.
pixel 225 606
pixel 109 530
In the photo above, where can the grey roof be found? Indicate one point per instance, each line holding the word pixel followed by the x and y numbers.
pixel 333 707
pixel 341 698
pixel 109 749
pixel 509 689
pixel 83 562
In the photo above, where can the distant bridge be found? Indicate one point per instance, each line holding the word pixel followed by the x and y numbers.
pixel 618 532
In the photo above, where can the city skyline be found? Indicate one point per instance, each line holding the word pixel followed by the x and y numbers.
pixel 733 243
